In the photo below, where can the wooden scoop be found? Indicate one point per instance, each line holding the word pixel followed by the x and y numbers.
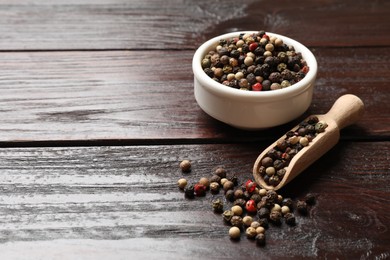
pixel 345 111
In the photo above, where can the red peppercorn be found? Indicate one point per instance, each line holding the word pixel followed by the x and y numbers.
pixel 251 206
pixel 200 190
pixel 257 87
pixel 253 46
pixel 305 69
pixel 265 36
pixel 250 186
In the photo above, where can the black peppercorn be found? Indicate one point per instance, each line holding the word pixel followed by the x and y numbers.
pixel 263 222
pixel 310 199
pixel 234 179
pixel 189 192
pixel 288 202
pixel 240 202
pixel 290 219
pixel 256 198
pixel 260 239
pixel 221 172
pixel 263 212
pixel 229 195
pixel 302 207
pixel 215 178
pixel 272 196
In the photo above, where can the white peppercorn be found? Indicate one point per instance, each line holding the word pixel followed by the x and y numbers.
pixel 234 233
pixel 247 220
pixel 185 165
pixel 182 183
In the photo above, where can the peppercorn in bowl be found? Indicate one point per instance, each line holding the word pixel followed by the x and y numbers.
pixel 254 79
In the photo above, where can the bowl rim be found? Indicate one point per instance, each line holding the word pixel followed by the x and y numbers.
pixel 219 89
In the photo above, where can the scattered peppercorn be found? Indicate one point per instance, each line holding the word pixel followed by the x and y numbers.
pixel 200 190
pixel 234 233
pixel 250 206
pixel 290 219
pixel 310 199
pixel 185 165
pixel 236 221
pixel 275 217
pixel 205 182
pixel 221 172
pixel 247 198
pixel 182 183
pixel 227 215
pixel 218 205
pixel 247 220
pixel 251 232
pixel 214 187
pixel 260 239
pixel 302 207
pixel 237 210
pixel 228 185
pixel 189 192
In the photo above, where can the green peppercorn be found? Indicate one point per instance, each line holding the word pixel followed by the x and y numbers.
pixel 217 205
pixel 227 215
pixel 320 126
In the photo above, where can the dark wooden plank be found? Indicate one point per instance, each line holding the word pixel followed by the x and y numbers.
pixel 136 95
pixel 100 202
pixel 176 24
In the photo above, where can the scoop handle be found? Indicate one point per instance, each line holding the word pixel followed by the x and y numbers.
pixel 346 110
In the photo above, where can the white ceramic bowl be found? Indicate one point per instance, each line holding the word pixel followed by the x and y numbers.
pixel 253 110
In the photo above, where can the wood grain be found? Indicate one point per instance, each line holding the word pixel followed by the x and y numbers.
pixel 177 24
pixel 98 202
pixel 119 95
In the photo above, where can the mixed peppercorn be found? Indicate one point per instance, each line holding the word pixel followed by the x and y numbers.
pixel 246 207
pixel 273 166
pixel 255 61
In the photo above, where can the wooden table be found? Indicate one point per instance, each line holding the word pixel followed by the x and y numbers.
pixel 97 110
